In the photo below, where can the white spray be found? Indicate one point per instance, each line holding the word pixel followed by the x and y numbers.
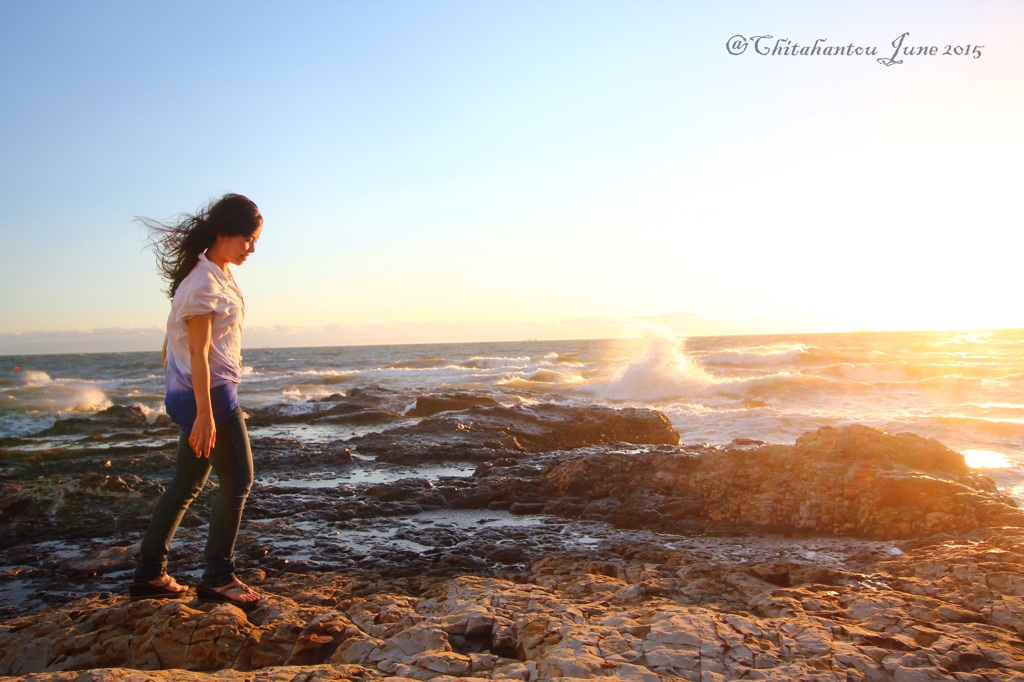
pixel 662 372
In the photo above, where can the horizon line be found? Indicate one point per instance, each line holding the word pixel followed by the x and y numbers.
pixel 859 331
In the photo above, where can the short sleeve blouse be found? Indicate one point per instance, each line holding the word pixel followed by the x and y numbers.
pixel 207 289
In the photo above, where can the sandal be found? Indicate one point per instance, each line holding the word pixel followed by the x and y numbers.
pixel 231 594
pixel 165 587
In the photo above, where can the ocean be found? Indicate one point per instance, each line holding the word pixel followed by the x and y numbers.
pixel 965 389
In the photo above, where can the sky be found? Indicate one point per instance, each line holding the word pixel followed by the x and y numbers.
pixel 449 170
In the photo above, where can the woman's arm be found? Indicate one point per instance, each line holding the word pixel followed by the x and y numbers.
pixel 163 353
pixel 204 431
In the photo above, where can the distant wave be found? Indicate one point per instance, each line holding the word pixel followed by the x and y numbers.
pixel 901 371
pixel 498 362
pixel 763 356
pixel 955 428
pixel 885 371
pixel 35 378
pixel 782 381
pixel 427 370
pixel 564 359
pixel 420 363
pixel 541 379
pixel 328 377
pixel 297 393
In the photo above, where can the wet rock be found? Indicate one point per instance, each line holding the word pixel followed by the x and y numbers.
pixel 363 397
pixel 94 504
pixel 407 489
pixel 852 481
pixel 115 417
pixel 482 432
pixel 100 559
pixel 428 405
pixel 321 414
pixel 360 406
pixel 288 456
pixel 865 444
pixel 92 454
pixel 21 516
pixel 76 501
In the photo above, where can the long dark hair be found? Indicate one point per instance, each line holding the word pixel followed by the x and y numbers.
pixel 177 244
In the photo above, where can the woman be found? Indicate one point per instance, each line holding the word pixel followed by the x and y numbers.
pixel 202 361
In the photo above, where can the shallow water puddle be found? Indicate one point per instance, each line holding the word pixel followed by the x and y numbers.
pixel 312 434
pixel 367 471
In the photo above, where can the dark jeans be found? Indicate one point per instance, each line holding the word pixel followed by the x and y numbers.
pixel 231 459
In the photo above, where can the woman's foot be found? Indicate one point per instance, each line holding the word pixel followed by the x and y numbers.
pixel 164 587
pixel 235 592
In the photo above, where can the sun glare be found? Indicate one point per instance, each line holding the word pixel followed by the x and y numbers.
pixel 986 459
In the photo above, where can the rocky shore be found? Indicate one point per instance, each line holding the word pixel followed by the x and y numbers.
pixel 453 536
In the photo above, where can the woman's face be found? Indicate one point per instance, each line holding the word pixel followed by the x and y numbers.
pixel 236 249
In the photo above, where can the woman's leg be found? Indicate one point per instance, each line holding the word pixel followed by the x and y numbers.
pixel 232 461
pixel 190 474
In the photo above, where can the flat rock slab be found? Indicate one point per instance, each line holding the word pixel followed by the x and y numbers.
pixel 480 432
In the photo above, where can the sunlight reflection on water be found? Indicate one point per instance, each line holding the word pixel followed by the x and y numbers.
pixel 986 459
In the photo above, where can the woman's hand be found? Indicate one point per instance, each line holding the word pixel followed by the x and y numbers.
pixel 203 436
